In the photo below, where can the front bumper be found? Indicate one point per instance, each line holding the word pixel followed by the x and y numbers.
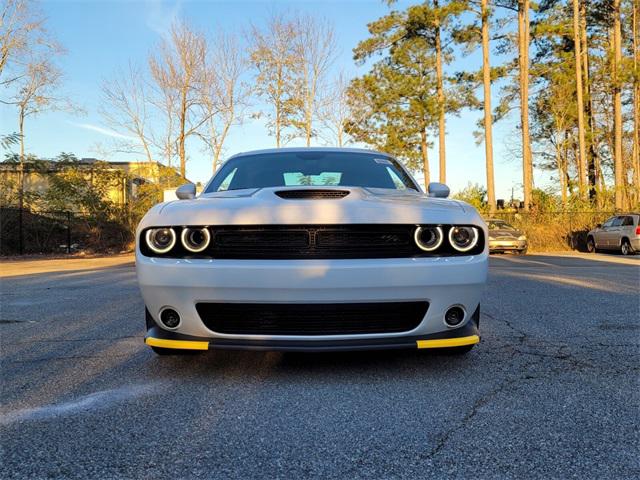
pixel 182 283
pixel 507 245
pixel 468 334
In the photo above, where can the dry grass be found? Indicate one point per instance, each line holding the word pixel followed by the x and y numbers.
pixel 549 232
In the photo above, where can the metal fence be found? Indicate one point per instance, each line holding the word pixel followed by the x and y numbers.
pixel 24 231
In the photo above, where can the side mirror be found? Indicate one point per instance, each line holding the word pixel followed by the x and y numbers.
pixel 599 225
pixel 438 190
pixel 186 191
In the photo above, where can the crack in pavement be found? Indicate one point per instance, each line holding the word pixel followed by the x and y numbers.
pixel 484 400
pixel 547 355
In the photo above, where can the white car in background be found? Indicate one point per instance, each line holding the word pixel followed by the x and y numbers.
pixel 619 233
pixel 312 249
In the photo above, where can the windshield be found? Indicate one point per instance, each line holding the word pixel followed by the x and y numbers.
pixel 345 169
pixel 499 225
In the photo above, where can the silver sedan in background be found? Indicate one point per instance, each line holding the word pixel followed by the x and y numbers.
pixel 620 233
pixel 506 238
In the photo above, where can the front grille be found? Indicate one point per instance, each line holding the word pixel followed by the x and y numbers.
pixel 355 241
pixel 311 319
pixel 311 194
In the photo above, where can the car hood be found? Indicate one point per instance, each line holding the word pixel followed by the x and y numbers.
pixel 504 233
pixel 264 206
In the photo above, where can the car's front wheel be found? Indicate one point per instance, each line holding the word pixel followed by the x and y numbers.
pixel 625 248
pixel 591 245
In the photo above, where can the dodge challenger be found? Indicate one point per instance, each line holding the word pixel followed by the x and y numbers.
pixel 312 249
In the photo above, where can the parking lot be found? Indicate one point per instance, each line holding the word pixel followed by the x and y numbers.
pixel 553 390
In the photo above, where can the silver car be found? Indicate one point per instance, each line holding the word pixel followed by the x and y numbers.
pixel 505 238
pixel 620 233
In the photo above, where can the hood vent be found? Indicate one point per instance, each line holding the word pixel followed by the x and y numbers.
pixel 311 194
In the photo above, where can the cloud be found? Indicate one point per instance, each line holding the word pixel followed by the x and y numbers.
pixel 161 15
pixel 104 131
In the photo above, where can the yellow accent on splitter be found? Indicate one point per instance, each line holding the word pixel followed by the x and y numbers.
pixel 448 342
pixel 179 344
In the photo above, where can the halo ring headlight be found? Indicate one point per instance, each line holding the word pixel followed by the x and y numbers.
pixel 160 240
pixel 463 239
pixel 434 240
pixel 195 240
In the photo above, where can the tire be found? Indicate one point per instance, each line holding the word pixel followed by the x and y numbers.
pixel 591 245
pixel 625 248
pixel 521 252
pixel 174 351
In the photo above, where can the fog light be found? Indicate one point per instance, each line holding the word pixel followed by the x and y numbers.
pixel 170 318
pixel 454 316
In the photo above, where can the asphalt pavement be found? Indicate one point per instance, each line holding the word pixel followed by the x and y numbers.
pixel 552 391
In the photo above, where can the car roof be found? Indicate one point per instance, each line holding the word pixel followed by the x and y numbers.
pixel 309 149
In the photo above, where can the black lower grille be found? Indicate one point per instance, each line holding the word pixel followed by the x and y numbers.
pixel 311 319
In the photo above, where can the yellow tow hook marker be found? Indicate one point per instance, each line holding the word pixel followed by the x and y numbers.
pixel 179 344
pixel 448 342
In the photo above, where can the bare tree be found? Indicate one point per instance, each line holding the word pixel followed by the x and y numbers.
pixel 337 113
pixel 125 108
pixel 315 51
pixel 21 29
pixel 176 69
pixel 225 96
pixel 273 57
pixel 35 93
pixel 163 135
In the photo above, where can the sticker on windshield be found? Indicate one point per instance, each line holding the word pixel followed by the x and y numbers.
pixel 383 161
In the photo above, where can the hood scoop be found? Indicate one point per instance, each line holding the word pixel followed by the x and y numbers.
pixel 312 194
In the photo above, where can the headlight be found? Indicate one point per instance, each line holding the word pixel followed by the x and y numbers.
pixel 161 240
pixel 522 237
pixel 195 239
pixel 428 238
pixel 463 239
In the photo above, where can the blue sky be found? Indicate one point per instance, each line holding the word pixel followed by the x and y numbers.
pixel 102 36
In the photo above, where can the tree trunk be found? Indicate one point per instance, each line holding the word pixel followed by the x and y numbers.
pixel 488 120
pixel 441 101
pixel 592 153
pixel 582 149
pixel 183 156
pixel 561 177
pixel 21 169
pixel 523 60
pixel 309 117
pixel 278 106
pixel 617 108
pixel 636 104
pixel 181 136
pixel 425 158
